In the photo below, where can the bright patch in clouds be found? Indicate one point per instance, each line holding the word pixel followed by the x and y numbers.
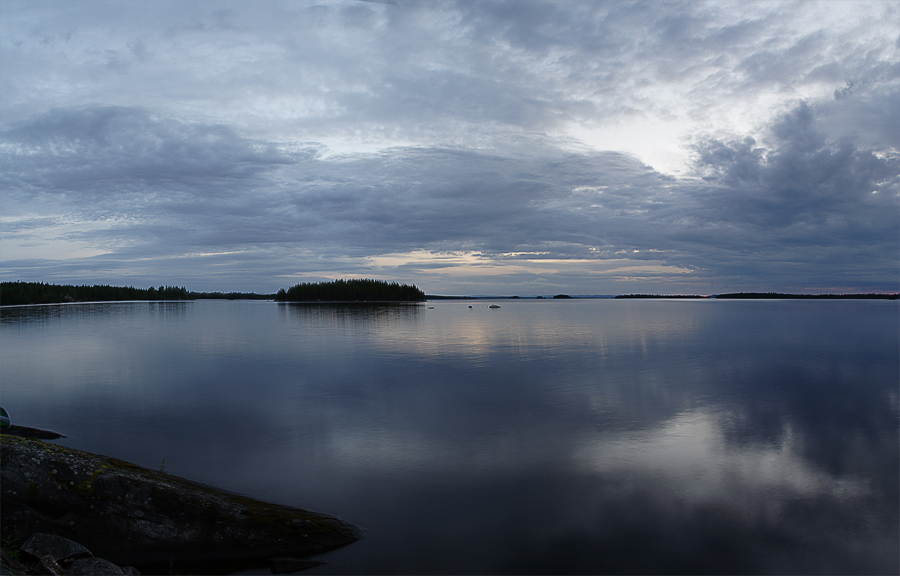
pixel 483 147
pixel 657 143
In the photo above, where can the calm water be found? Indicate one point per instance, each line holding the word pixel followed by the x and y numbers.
pixel 549 436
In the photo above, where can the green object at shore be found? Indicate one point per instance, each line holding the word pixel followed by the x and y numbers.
pixel 4 418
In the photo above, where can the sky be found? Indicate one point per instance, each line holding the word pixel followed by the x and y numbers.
pixel 472 147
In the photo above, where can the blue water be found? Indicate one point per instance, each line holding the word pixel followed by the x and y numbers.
pixel 576 436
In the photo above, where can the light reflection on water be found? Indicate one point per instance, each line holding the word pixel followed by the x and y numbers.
pixel 544 437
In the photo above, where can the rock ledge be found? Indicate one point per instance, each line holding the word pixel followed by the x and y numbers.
pixel 57 556
pixel 134 515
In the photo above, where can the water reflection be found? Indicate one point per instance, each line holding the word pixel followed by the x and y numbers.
pixel 689 453
pixel 35 314
pixel 353 316
pixel 582 437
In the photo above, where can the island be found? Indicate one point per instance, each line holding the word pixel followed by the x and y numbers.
pixel 355 290
pixel 21 293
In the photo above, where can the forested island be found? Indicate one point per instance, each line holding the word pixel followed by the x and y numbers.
pixel 21 293
pixel 364 290
pixel 18 293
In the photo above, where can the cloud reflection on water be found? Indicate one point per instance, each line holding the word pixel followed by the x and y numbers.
pixel 583 436
pixel 690 454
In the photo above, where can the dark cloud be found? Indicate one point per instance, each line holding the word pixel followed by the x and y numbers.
pixel 869 115
pixel 280 139
pixel 807 208
pixel 115 150
pixel 805 204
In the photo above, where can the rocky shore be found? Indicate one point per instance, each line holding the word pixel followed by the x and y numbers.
pixel 55 555
pixel 134 516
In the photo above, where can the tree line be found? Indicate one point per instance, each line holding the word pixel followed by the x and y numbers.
pixel 364 290
pixel 776 295
pixel 660 296
pixel 17 293
pixel 772 295
pixel 231 296
pixel 20 293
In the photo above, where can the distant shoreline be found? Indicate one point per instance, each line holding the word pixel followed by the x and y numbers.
pixel 351 302
pixel 738 296
pixel 729 296
pixel 339 292
pixel 773 296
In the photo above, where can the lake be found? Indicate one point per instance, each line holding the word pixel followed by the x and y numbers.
pixel 546 436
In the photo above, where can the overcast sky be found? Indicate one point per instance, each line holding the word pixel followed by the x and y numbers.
pixel 476 147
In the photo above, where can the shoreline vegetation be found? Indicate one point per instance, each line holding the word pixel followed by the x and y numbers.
pixel 338 291
pixel 19 293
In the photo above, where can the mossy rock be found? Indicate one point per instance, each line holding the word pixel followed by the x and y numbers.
pixel 134 515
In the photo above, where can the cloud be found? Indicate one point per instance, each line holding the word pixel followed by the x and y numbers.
pixel 314 138
pixel 167 189
pixel 438 70
pixel 807 207
pixel 806 204
pixel 115 150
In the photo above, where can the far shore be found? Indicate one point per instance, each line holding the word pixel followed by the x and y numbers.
pixel 352 292
pixel 738 295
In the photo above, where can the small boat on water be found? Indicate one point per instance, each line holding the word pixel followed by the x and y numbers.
pixel 493 306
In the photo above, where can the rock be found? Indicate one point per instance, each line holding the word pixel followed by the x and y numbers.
pixel 94 567
pixel 56 555
pixel 61 549
pixel 134 515
pixel 27 432
pixel 10 565
pixel 50 566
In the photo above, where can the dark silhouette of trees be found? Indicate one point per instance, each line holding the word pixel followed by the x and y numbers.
pixel 659 296
pixel 776 295
pixel 232 296
pixel 772 296
pixel 17 293
pixel 364 290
